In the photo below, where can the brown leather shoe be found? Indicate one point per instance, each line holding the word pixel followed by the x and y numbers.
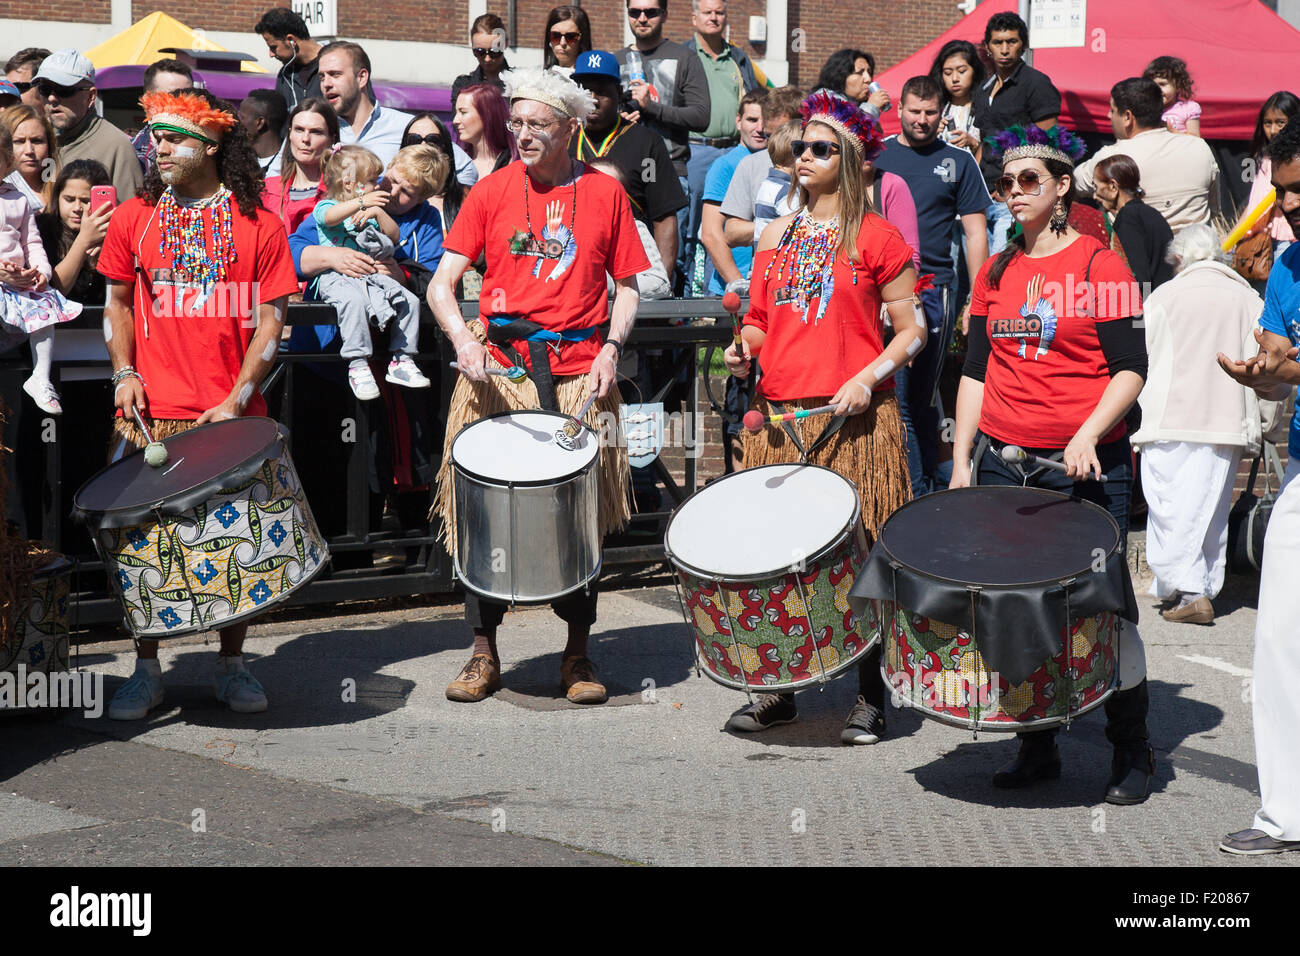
pixel 477 679
pixel 1200 611
pixel 578 678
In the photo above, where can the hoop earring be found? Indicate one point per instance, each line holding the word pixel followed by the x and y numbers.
pixel 1060 219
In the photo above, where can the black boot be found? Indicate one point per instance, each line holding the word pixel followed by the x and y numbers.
pixel 1134 762
pixel 1038 759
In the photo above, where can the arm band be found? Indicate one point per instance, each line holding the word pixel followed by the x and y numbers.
pixel 1124 344
pixel 977 348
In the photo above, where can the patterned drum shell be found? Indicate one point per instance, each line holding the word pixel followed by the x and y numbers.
pixel 40 642
pixel 248 544
pixel 773 627
pixel 938 669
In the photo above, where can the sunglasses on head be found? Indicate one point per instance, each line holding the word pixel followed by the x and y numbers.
pixel 647 13
pixel 428 139
pixel 483 54
pixel 45 88
pixel 557 36
pixel 1031 183
pixel 821 149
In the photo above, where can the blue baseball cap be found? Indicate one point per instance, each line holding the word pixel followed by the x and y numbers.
pixel 8 89
pixel 597 63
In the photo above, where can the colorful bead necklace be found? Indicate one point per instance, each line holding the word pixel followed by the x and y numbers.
pixel 183 238
pixel 806 255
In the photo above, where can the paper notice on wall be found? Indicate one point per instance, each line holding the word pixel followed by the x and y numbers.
pixel 1057 23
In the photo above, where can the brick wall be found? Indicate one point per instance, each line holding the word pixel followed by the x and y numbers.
pixel 83 11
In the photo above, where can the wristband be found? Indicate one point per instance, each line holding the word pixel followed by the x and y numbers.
pixel 618 346
pixel 125 372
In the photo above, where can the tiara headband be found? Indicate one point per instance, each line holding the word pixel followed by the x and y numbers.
pixel 844 116
pixel 187 113
pixel 1019 142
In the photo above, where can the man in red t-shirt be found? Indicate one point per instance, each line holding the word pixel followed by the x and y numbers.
pixel 550 230
pixel 198 277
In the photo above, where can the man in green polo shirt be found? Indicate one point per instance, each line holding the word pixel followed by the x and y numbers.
pixel 731 74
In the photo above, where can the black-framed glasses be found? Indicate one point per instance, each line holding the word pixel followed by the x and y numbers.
pixel 516 126
pixel 567 37
pixel 645 13
pixel 821 149
pixel 428 139
pixel 46 88
pixel 1031 183
pixel 483 54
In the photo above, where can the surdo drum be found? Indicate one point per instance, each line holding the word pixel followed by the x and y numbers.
pixel 526 508
pixel 765 559
pixel 998 606
pixel 218 534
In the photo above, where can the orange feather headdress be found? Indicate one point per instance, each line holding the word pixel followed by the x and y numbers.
pixel 187 113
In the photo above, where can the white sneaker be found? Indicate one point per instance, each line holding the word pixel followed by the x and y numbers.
pixel 139 695
pixel 43 394
pixel 237 688
pixel 363 382
pixel 402 370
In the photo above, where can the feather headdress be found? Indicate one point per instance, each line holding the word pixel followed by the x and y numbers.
pixel 844 116
pixel 187 113
pixel 1020 142
pixel 545 86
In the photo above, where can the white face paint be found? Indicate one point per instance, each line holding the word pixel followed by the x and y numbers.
pixel 1022 216
pixel 268 353
pixel 804 180
pixel 108 330
pixel 245 394
pixel 277 310
pixel 439 294
pixel 823 163
pixel 184 152
pixel 920 320
pixel 884 370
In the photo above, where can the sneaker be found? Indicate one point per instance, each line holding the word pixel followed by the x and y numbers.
pixel 237 688
pixel 139 695
pixel 1255 843
pixel 402 370
pixel 1191 611
pixel 43 394
pixel 578 678
pixel 866 724
pixel 363 382
pixel 477 679
pixel 768 710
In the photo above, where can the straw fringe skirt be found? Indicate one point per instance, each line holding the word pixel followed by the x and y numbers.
pixel 870 450
pixel 471 401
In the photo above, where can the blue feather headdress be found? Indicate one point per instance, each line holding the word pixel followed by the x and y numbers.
pixel 844 116
pixel 1019 142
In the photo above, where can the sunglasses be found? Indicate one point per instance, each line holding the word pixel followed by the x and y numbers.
pixel 1031 184
pixel 483 54
pixel 645 13
pixel 46 88
pixel 429 139
pixel 821 149
pixel 22 86
pixel 557 36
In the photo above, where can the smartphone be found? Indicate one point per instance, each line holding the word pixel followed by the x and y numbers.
pixel 101 196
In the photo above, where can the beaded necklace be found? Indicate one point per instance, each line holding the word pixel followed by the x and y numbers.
pixel 806 255
pixel 184 240
pixel 573 207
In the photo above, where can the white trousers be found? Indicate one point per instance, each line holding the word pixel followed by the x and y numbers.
pixel 1277 669
pixel 1188 489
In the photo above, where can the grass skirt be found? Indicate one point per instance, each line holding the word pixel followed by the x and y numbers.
pixel 128 438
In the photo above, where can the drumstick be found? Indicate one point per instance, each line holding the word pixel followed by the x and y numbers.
pixel 514 373
pixel 565 435
pixel 755 420
pixel 155 452
pixel 731 302
pixel 1018 456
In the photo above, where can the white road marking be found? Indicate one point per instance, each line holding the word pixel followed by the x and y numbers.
pixel 1218 665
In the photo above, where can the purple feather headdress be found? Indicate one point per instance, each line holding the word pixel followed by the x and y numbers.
pixel 1018 142
pixel 844 116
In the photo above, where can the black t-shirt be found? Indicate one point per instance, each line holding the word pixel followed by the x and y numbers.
pixel 1145 236
pixel 648 174
pixel 1027 96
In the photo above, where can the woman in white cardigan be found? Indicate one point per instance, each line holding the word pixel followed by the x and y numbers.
pixel 1196 422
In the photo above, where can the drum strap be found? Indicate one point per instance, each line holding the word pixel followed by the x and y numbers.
pixel 504 331
pixel 827 433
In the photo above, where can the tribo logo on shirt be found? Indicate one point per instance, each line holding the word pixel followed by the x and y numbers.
pixel 1037 320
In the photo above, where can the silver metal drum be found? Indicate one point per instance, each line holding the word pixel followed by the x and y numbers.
pixel 526 510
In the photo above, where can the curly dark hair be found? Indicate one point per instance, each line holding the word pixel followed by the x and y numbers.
pixel 237 166
pixel 1174 70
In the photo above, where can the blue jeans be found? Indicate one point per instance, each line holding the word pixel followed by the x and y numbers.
pixel 1001 222
pixel 697 169
pixel 917 388
pixel 685 240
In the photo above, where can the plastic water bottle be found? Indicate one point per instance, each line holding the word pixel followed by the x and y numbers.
pixel 635 71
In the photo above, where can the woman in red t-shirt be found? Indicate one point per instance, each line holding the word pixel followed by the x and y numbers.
pixel 1054 363
pixel 818 282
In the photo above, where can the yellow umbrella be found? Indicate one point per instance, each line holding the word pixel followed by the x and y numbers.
pixel 142 42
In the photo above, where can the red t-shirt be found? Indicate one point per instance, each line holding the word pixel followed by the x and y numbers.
pixel 552 278
pixel 1046 371
pixel 188 359
pixel 814 358
pixel 275 198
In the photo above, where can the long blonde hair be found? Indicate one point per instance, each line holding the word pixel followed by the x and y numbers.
pixel 855 198
pixel 18 114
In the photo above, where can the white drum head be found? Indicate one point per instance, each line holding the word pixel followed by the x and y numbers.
pixel 520 447
pixel 761 521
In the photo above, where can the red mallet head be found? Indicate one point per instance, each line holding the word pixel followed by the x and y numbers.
pixel 731 302
pixel 754 420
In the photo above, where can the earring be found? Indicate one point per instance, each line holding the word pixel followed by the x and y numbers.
pixel 1060 219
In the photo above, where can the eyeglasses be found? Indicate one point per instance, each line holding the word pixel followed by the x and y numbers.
pixel 1031 184
pixel 483 54
pixel 428 139
pixel 516 126
pixel 821 149
pixel 46 88
pixel 557 36
pixel 22 86
pixel 645 13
